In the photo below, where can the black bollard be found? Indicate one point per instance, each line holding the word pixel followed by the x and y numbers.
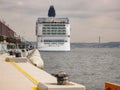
pixel 62 78
pixel 11 52
pixel 18 54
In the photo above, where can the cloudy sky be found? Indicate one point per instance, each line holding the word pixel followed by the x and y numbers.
pixel 89 18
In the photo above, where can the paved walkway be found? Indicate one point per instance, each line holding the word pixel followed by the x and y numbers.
pixel 12 79
pixel 21 76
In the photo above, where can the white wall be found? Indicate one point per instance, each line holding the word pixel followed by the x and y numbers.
pixel 3 47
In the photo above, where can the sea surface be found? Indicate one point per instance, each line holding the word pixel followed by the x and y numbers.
pixel 91 67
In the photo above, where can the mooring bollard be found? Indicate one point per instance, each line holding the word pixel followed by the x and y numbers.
pixel 18 54
pixel 11 52
pixel 62 78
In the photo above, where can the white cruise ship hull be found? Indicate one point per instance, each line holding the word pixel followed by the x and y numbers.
pixel 55 48
pixel 53 34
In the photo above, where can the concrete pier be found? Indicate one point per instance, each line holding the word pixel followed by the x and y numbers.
pixel 19 74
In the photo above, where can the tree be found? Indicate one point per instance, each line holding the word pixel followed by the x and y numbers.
pixel 1 38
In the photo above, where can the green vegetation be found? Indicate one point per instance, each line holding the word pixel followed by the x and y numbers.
pixel 1 38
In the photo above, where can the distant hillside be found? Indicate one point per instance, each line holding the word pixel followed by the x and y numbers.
pixel 88 45
pixel 96 45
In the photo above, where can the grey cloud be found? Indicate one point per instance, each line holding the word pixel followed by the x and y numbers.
pixel 78 8
pixel 89 8
pixel 84 12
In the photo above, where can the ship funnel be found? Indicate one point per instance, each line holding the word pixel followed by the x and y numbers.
pixel 51 11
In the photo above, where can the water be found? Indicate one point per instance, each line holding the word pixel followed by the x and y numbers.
pixel 91 67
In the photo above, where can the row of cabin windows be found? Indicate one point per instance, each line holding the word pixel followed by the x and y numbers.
pixel 54 40
pixel 44 31
pixel 54 44
pixel 54 33
pixel 54 28
pixel 53 25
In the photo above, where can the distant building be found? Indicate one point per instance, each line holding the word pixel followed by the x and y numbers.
pixel 7 35
pixel 5 31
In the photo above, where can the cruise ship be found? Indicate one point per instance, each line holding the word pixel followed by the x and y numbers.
pixel 53 34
